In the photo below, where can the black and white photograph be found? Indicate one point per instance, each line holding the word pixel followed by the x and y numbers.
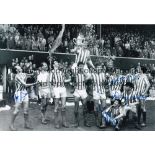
pixel 77 77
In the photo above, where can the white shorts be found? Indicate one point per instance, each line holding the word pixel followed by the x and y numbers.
pixel 59 92
pixel 80 93
pixel 44 92
pixel 21 96
pixel 98 96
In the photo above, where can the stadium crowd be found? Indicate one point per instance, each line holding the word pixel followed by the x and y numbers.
pixel 34 37
pixel 115 40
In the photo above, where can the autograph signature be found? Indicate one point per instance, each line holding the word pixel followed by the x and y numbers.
pixel 20 96
pixel 132 97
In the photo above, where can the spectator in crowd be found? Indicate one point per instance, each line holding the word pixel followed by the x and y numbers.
pixel 42 43
pixel 116 40
pixel 11 41
pixel 28 43
pixel 35 44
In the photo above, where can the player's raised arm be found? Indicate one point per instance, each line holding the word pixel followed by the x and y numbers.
pixel 74 50
pixel 89 61
pixel 24 83
pixel 58 40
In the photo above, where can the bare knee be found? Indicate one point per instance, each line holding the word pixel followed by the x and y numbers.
pixel 56 108
pixel 16 110
pixel 96 106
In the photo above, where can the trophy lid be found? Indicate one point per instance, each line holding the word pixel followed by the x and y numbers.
pixel 80 36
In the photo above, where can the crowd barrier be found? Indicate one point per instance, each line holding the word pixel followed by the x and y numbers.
pixel 6 56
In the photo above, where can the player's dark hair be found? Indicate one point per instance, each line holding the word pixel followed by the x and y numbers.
pixel 144 69
pixel 97 64
pixel 129 84
pixel 55 60
pixel 43 63
pixel 14 70
pixel 119 101
pixel 80 63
